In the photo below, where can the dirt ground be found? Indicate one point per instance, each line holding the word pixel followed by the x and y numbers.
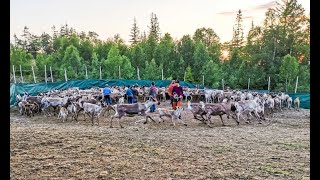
pixel 46 148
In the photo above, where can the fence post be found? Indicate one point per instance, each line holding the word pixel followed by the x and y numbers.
pixel 100 73
pixel 21 74
pixel 119 73
pixel 222 84
pixel 138 73
pixel 295 91
pixel 14 74
pixel 51 74
pixel 161 74
pixel 65 75
pixel 203 81
pixel 34 77
pixel 86 72
pixel 269 84
pixel 45 73
pixel 248 83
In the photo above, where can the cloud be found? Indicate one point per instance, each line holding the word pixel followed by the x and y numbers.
pixel 229 13
pixel 247 17
pixel 265 6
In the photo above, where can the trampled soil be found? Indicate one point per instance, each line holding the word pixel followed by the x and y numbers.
pixel 45 148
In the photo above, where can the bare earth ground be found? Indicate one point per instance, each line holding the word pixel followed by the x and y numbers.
pixel 45 148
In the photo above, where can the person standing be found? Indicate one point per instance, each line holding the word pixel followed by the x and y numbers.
pixel 129 95
pixel 170 91
pixel 106 94
pixel 153 93
pixel 135 93
pixel 177 93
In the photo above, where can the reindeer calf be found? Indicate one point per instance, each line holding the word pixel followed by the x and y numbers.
pixel 63 114
pixel 175 115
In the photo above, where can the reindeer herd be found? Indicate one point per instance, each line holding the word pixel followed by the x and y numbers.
pixel 202 103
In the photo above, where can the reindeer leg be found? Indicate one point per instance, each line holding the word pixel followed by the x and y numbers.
pixel 161 118
pixel 258 117
pixel 146 119
pixel 151 118
pixel 119 123
pixel 92 118
pixel 173 124
pixel 222 120
pixel 183 122
pixel 111 122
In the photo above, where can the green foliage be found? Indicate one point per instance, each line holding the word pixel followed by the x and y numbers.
pixel 200 58
pixel 152 71
pixel 212 72
pixel 279 48
pixel 289 68
pixel 134 32
pixel 72 63
pixel 112 63
pixel 189 76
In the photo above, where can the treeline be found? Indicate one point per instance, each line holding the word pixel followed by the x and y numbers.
pixel 279 49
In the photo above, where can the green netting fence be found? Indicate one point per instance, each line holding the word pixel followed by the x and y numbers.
pixel 36 88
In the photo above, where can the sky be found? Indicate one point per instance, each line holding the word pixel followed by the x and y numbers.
pixel 109 17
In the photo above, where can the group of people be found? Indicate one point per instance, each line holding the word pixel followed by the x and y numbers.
pixel 132 94
pixel 175 92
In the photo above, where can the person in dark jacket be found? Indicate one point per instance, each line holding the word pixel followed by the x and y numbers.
pixel 177 92
pixel 129 95
pixel 135 93
pixel 153 94
pixel 106 94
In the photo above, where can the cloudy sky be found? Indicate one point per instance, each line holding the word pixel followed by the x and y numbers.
pixel 108 17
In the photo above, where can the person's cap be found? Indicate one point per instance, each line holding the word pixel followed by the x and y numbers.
pixel 177 81
pixel 107 85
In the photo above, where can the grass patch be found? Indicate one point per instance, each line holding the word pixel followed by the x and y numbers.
pixel 274 171
pixel 294 146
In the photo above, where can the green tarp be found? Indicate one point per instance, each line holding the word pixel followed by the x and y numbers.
pixel 34 89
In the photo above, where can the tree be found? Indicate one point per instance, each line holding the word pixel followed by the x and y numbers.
pixel 154 29
pixel 127 71
pixel 86 50
pixel 189 76
pixel 200 58
pixel 186 49
pixel 19 57
pixel 138 56
pixel 72 63
pixel 212 73
pixel 149 47
pixel 95 67
pixel 289 69
pixel 151 72
pixel 112 63
pixel 207 36
pixel 238 39
pixel 163 53
pixel 134 33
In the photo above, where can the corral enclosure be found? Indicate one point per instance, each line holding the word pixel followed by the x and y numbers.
pixel 46 148
pixel 36 88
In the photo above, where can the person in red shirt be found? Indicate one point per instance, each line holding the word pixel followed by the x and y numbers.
pixel 170 91
pixel 177 93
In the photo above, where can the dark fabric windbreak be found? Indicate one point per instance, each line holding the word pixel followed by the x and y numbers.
pixel 34 89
